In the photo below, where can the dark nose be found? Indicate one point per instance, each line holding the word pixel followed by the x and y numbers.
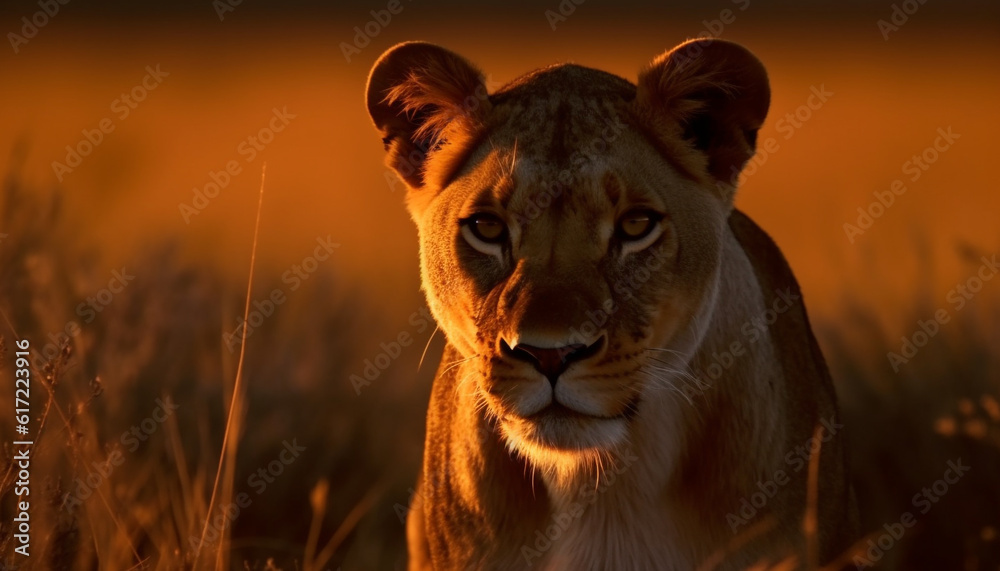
pixel 551 361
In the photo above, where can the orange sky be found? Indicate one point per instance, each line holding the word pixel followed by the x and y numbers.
pixel 325 173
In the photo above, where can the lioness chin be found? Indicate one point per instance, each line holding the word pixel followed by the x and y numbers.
pixel 630 380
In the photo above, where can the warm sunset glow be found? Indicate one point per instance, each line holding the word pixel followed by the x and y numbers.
pixel 132 151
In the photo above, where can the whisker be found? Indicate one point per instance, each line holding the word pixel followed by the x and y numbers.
pixel 665 350
pixel 684 376
pixel 666 384
pixel 595 458
pixel 454 364
pixel 462 381
pixel 513 159
pixel 427 346
pixel 532 480
pixel 672 363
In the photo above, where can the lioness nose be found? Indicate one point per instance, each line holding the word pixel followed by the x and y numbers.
pixel 552 361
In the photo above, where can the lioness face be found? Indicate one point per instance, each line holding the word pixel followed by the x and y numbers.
pixel 558 256
pixel 569 231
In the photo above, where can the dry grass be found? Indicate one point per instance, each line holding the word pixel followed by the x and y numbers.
pixel 336 505
pixel 904 427
pixel 161 338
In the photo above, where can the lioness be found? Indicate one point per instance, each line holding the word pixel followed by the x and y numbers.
pixel 630 380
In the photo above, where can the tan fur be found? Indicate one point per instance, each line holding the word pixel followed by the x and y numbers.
pixel 638 454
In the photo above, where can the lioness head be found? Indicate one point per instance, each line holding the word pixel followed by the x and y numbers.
pixel 570 223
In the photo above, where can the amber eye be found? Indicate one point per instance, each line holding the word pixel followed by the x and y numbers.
pixel 487 227
pixel 637 224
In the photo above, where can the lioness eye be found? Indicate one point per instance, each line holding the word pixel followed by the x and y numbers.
pixel 488 228
pixel 636 224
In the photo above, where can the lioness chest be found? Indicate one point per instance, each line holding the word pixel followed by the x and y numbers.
pixel 604 537
pixel 606 524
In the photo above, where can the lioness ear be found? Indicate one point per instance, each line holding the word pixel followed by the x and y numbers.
pixel 421 97
pixel 713 94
